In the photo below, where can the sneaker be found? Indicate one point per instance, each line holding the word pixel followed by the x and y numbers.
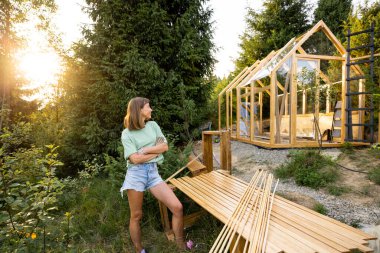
pixel 190 244
pixel 144 251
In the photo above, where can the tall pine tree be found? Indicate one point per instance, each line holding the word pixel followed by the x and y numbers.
pixel 271 29
pixel 161 50
pixel 334 13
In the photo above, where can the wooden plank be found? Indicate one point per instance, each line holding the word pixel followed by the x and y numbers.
pixel 332 38
pixel 232 197
pixel 247 80
pixel 272 107
pixel 364 57
pixel 261 113
pixel 246 74
pixel 194 192
pixel 252 113
pixel 238 103
pixel 361 103
pixel 265 88
pixel 320 57
pixel 239 185
pixel 293 101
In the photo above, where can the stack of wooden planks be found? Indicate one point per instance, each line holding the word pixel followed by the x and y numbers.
pixel 292 227
pixel 258 191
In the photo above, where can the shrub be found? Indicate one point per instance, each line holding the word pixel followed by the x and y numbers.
pixel 374 175
pixel 309 168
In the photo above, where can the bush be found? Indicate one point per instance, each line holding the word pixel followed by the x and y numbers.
pixel 374 175
pixel 309 168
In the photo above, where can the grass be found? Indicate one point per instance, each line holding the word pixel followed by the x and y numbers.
pixel 337 190
pixel 374 175
pixel 318 207
pixel 309 168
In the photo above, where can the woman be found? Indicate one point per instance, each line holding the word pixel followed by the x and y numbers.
pixel 144 144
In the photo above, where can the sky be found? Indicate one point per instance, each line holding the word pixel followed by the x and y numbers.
pixel 229 25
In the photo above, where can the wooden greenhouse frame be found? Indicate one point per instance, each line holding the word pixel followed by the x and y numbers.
pixel 289 124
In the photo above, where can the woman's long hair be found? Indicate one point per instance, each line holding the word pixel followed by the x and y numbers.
pixel 133 119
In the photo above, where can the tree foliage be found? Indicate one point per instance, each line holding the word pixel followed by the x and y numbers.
pixel 334 13
pixel 271 29
pixel 161 50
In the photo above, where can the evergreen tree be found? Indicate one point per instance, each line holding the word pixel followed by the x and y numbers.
pixel 271 29
pixel 161 50
pixel 333 13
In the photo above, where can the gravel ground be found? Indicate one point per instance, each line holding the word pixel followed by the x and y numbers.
pixel 247 158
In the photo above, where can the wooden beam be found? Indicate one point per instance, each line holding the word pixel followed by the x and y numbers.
pixel 333 39
pixel 255 89
pixel 262 85
pixel 231 108
pixel 280 85
pixel 221 94
pixel 293 106
pixel 320 57
pixel 361 105
pixel 272 107
pixel 243 72
pixel 262 63
pixel 284 101
pixel 238 102
pixel 363 57
pixel 252 130
pixel 304 95
pixel 316 106
pixel 225 151
pixel 261 113
pixel 247 73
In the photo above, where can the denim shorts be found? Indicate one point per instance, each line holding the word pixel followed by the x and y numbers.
pixel 141 177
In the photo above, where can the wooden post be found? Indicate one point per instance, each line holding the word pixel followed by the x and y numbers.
pixel 225 151
pixel 328 98
pixel 304 101
pixel 286 94
pixel 238 102
pixel 207 151
pixel 272 107
pixel 219 114
pixel 227 110
pixel 361 113
pixel 252 113
pixel 343 109
pixel 261 113
pixel 316 106
pixel 277 112
pixel 231 108
pixel 293 101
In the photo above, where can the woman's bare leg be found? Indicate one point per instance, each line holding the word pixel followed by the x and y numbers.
pixel 164 194
pixel 135 200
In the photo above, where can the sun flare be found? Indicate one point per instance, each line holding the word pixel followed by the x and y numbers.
pixel 41 72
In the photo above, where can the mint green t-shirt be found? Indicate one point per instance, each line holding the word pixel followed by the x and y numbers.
pixel 133 140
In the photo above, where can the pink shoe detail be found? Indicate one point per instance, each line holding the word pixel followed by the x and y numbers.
pixel 189 244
